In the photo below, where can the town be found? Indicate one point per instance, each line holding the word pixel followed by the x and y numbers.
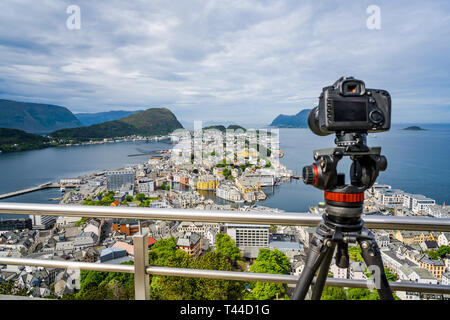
pixel 195 173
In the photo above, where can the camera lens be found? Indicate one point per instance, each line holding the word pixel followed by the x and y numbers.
pixel 313 122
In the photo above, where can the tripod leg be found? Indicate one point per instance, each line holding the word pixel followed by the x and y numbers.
pixel 323 274
pixel 372 257
pixel 316 254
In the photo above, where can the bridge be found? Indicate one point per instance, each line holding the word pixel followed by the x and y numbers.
pixel 142 270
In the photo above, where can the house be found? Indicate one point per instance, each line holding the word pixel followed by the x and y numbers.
pixel 340 273
pixel 93 226
pixel 436 267
pixel 191 243
pixel 429 245
pixel 129 248
pixel 112 253
pixel 85 240
pixel 443 239
pixel 357 270
pixel 413 237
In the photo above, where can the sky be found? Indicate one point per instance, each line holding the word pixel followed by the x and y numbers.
pixel 224 61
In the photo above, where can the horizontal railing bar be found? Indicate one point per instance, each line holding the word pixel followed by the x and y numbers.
pixel 243 217
pixel 290 279
pixel 58 264
pixel 216 274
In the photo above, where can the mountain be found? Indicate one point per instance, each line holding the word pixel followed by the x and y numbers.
pixel 19 140
pixel 300 120
pixel 35 117
pixel 88 119
pixel 154 121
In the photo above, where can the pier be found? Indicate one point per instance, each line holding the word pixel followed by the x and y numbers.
pixel 28 190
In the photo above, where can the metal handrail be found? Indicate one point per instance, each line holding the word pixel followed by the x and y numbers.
pixel 224 216
pixel 297 219
pixel 217 274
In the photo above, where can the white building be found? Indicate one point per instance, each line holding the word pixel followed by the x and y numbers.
pixel 249 235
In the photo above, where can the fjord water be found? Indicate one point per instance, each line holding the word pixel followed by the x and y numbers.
pixel 418 162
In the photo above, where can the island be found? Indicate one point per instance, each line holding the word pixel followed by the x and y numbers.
pixel 414 128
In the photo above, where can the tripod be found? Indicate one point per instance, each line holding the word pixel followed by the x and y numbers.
pixel 342 223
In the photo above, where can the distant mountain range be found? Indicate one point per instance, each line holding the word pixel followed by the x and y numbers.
pixel 154 121
pixel 88 119
pixel 300 120
pixel 35 117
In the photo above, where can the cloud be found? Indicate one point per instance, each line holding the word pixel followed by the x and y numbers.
pixel 244 61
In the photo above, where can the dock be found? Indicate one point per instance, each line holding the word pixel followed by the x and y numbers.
pixel 28 190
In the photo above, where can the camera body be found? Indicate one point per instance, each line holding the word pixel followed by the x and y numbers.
pixel 348 106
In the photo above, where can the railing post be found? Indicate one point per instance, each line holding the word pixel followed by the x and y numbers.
pixel 141 278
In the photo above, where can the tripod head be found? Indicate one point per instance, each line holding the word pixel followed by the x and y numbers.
pixel 345 200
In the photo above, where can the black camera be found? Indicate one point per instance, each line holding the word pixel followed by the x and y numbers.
pixel 348 106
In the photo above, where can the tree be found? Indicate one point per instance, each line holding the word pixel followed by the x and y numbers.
pixel 361 294
pixel 443 251
pixel 227 247
pixel 140 197
pixel 269 261
pixel 333 293
pixel 212 289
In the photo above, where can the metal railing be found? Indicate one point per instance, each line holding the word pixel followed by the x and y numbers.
pixel 142 270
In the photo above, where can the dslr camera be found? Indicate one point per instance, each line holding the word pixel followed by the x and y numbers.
pixel 348 106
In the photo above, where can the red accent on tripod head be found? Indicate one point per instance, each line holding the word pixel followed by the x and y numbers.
pixel 344 197
pixel 316 174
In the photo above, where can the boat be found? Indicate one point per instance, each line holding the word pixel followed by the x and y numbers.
pixel 62 189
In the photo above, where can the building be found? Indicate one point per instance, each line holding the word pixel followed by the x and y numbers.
pixel 443 239
pixel 42 222
pixel 146 185
pixel 85 240
pixel 436 267
pixel 16 224
pixel 417 202
pixel 115 180
pixel 389 197
pixel 191 243
pixel 284 242
pixel 208 182
pixel 127 227
pixel 93 226
pixel 249 235
pixel 70 181
pixel 112 254
pixel 413 237
pixel 228 191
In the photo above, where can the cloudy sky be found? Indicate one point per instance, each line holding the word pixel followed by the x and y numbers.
pixel 235 60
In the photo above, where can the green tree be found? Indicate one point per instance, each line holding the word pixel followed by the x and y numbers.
pixel 211 289
pixel 227 247
pixel 333 293
pixel 443 251
pixel 140 197
pixel 361 294
pixel 269 261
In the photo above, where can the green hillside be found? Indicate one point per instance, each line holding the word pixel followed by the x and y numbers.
pixel 35 117
pixel 155 121
pixel 19 140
